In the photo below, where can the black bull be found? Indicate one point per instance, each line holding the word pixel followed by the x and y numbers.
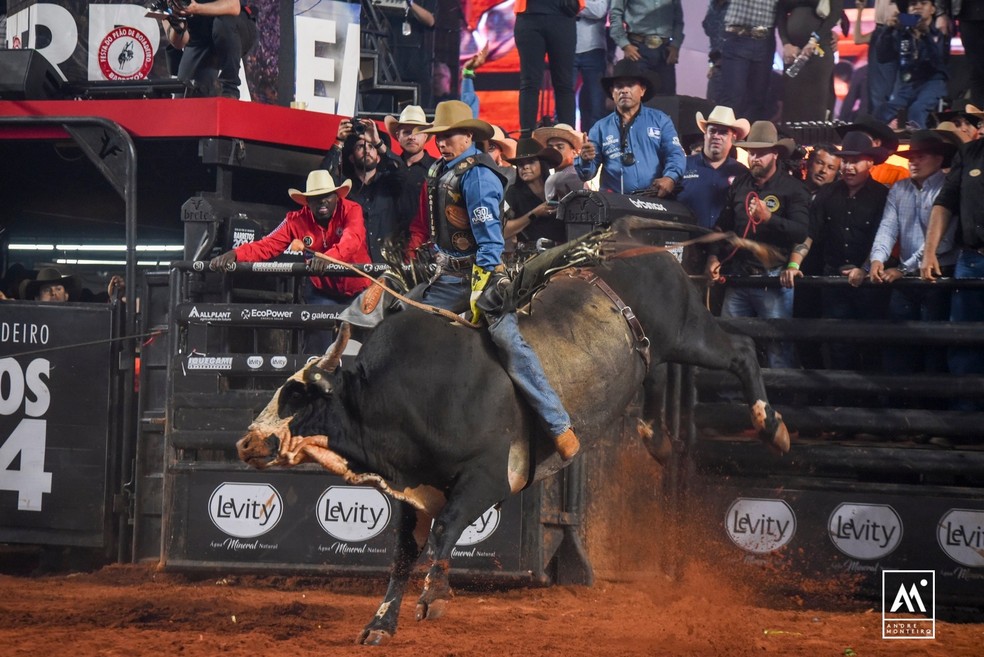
pixel 427 413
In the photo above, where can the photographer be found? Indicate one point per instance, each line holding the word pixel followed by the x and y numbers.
pixel 379 180
pixel 918 47
pixel 213 36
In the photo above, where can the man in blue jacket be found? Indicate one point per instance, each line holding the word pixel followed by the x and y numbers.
pixel 637 145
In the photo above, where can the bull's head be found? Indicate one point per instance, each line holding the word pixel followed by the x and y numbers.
pixel 269 440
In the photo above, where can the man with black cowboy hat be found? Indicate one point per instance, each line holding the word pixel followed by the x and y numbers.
pixel 769 206
pixel 48 286
pixel 881 135
pixel 905 220
pixel 844 217
pixel 965 117
pixel 461 225
pixel 327 223
pixel 637 145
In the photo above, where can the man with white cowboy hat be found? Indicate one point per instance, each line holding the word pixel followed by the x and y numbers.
pixel 414 155
pixel 709 174
pixel 327 223
pixel 567 141
pixel 48 286
pixel 637 145
pixel 501 149
pixel 463 231
pixel 771 207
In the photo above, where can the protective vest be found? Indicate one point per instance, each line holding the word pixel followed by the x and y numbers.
pixel 450 227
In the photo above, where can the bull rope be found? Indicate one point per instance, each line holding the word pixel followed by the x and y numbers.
pixel 152 335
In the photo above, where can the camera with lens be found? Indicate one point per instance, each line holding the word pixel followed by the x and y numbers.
pixel 358 127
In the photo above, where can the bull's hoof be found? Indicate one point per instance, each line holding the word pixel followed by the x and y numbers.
pixel 432 610
pixel 374 637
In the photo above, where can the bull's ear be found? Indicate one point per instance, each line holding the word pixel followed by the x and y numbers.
pixel 333 356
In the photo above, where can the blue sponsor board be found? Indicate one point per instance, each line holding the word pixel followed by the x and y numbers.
pixel 307 518
pixel 854 536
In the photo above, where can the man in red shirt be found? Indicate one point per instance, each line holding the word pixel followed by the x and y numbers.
pixel 327 223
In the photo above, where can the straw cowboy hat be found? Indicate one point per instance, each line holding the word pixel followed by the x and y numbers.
pixel 319 183
pixel 859 143
pixel 560 131
pixel 626 68
pixel 412 115
pixel 506 144
pixel 763 134
pixel 46 276
pixel 456 115
pixel 530 148
pixel 725 116
pixel 963 109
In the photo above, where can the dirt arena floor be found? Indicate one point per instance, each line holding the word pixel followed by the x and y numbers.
pixel 136 611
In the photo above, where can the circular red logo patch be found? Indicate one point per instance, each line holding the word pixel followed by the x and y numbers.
pixel 125 54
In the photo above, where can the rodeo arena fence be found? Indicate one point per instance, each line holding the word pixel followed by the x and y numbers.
pixel 141 466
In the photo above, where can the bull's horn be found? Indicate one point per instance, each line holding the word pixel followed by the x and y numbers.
pixel 333 356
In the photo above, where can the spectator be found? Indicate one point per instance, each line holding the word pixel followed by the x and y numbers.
pixel 501 149
pixel 546 28
pixel 855 101
pixel 965 118
pixel 810 95
pixel 918 47
pixel 213 39
pixel 441 83
pixel 531 215
pixel 961 195
pixel 411 41
pixel 637 145
pixel 414 156
pixel 379 182
pixel 769 206
pixel 49 286
pixel 881 75
pixel 951 134
pixel 906 218
pixel 822 166
pixel 650 32
pixel 713 25
pixel 746 57
pixel 327 223
pixel 969 15
pixel 881 135
pixel 591 60
pixel 844 217
pixel 709 173
pixel 567 141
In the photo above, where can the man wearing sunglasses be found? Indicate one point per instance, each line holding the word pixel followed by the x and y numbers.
pixel 637 145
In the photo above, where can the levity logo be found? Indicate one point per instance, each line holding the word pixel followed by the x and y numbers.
pixel 353 513
pixel 481 529
pixel 908 604
pixel 960 532
pixel 245 510
pixel 865 531
pixel 760 526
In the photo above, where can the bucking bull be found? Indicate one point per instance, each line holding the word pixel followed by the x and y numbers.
pixel 427 413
